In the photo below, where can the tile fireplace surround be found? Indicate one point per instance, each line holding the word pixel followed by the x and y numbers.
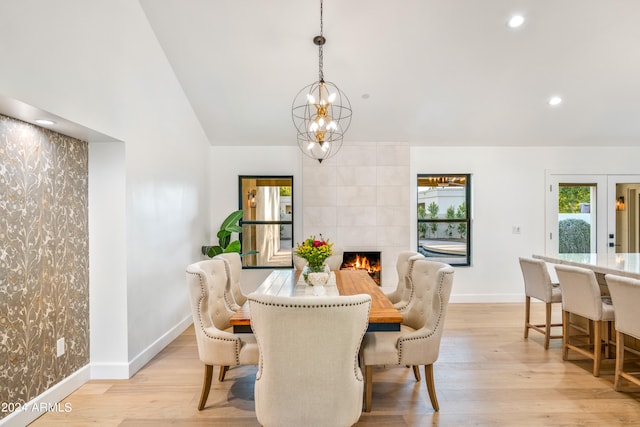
pixel 359 199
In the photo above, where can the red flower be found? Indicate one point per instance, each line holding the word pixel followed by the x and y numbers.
pixel 318 243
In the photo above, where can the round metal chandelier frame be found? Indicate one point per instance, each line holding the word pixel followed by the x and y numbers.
pixel 321 112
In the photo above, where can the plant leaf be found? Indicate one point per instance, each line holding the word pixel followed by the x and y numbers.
pixel 233 247
pixel 231 220
pixel 223 233
pixel 213 251
pixel 234 229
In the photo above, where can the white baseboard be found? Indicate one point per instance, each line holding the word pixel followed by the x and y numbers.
pixel 150 352
pixel 109 371
pixel 49 400
pixel 486 298
pixel 124 371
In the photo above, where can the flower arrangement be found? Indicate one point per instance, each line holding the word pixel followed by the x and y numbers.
pixel 315 251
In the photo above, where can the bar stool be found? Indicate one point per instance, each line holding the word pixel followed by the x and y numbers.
pixel 538 285
pixel 581 296
pixel 625 294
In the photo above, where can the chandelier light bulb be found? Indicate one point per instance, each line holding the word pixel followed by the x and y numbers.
pixel 311 99
pixel 332 97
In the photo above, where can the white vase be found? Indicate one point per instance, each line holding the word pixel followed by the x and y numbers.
pixel 316 275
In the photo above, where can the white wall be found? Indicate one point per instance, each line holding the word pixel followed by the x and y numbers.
pixel 98 64
pixel 508 188
pixel 108 280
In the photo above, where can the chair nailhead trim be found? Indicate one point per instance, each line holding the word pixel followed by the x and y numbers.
pixel 203 295
pixel 438 322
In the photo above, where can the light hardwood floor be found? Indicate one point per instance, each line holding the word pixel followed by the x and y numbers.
pixel 487 375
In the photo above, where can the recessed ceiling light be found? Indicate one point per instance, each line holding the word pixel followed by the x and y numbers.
pixel 515 21
pixel 555 100
pixel 45 122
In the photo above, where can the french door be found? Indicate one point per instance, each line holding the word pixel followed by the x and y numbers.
pixel 592 213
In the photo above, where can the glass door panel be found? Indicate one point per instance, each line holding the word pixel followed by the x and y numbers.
pixel 624 214
pixel 576 214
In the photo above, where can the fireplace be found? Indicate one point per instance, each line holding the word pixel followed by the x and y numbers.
pixel 363 260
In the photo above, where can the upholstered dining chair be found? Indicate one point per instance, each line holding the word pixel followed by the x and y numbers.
pixel 538 285
pixel 408 293
pixel 402 267
pixel 335 260
pixel 233 265
pixel 210 307
pixel 581 296
pixel 418 341
pixel 625 295
pixel 308 373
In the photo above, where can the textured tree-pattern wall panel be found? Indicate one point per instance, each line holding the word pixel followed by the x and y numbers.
pixel 44 258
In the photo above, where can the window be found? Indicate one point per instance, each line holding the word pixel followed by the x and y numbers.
pixel 267 220
pixel 444 224
pixel 576 218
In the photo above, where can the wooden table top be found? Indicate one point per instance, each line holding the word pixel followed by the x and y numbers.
pixel 383 316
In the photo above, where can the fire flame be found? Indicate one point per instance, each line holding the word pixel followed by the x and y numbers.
pixel 362 263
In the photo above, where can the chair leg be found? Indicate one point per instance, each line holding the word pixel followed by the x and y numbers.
pixel 547 327
pixel 416 372
pixel 431 388
pixel 527 315
pixel 597 347
pixel 565 335
pixel 368 387
pixel 206 386
pixel 619 359
pixel 607 339
pixel 223 372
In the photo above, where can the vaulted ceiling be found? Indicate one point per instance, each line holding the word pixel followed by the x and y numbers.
pixel 431 72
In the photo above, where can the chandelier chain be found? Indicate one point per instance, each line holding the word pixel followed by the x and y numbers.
pixel 320 52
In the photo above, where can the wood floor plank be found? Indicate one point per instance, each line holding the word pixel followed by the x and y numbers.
pixel 487 375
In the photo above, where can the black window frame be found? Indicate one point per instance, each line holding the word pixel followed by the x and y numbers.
pixel 242 196
pixel 445 178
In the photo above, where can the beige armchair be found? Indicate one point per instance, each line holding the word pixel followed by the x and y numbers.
pixel 335 261
pixel 625 294
pixel 234 271
pixel 538 285
pixel 408 293
pixel 308 373
pixel 581 296
pixel 418 342
pixel 210 306
pixel 402 267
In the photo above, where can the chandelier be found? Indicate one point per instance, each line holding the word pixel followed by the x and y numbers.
pixel 321 112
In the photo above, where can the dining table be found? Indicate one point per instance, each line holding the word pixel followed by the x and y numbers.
pixel 620 264
pixel 383 316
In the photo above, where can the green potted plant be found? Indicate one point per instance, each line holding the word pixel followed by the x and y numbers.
pixel 225 245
